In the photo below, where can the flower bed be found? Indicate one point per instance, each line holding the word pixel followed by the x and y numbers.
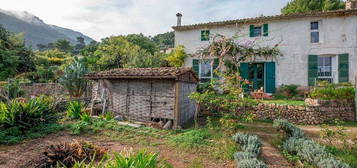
pixel 307 150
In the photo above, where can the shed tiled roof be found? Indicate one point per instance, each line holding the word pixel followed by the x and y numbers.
pixel 141 73
pixel 267 18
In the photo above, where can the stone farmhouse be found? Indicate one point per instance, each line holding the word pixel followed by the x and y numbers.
pixel 315 46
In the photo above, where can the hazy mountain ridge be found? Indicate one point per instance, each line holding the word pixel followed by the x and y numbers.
pixel 36 31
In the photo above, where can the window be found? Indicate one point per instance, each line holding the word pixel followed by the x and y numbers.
pixel 205 35
pixel 324 67
pixel 315 34
pixel 205 71
pixel 257 31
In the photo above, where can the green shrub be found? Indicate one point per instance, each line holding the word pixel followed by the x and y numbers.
pixel 332 163
pixel 24 120
pixel 251 144
pixel 75 109
pixel 251 163
pixel 251 147
pixel 26 115
pixel 12 89
pixel 119 160
pixel 85 117
pixel 243 155
pixel 333 92
pixel 292 145
pixel 290 129
pixel 306 149
pixel 287 91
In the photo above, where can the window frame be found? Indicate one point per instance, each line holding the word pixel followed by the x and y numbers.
pixel 207 37
pixel 260 32
pixel 200 67
pixel 323 76
pixel 315 31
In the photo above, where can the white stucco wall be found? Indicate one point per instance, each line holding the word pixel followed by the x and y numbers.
pixel 338 35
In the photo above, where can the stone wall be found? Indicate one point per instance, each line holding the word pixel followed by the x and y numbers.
pixel 37 89
pixel 317 113
pixel 51 89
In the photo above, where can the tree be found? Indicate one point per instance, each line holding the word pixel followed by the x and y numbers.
pixel 300 6
pixel 79 46
pixel 49 65
pixel 177 57
pixel 72 80
pixel 165 40
pixel 63 45
pixel 14 56
pixel 143 42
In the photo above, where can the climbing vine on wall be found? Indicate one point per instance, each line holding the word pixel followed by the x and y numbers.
pixel 235 51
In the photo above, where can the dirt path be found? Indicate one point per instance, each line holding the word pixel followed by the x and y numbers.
pixel 28 154
pixel 271 155
pixel 273 158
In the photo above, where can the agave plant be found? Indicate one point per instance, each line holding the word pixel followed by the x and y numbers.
pixel 72 80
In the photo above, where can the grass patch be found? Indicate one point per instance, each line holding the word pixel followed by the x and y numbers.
pixel 15 135
pixel 193 138
pixel 285 102
pixel 347 156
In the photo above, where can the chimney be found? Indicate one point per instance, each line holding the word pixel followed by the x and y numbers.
pixel 351 4
pixel 179 16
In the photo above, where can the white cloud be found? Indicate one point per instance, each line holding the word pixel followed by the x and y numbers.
pixel 102 18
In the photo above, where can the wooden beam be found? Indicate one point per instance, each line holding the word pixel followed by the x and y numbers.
pixel 177 107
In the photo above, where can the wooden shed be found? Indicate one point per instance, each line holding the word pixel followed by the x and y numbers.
pixel 148 94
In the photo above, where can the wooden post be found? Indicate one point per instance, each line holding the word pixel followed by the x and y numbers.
pixel 198 108
pixel 177 103
pixel 356 97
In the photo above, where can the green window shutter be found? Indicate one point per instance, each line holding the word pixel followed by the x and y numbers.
pixel 265 29
pixel 270 77
pixel 195 65
pixel 312 69
pixel 215 65
pixel 251 31
pixel 244 70
pixel 343 68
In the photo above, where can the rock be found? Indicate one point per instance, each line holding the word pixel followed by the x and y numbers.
pixel 168 125
pixel 118 118
pixel 161 124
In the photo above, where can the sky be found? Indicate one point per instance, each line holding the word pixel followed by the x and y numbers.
pixel 103 18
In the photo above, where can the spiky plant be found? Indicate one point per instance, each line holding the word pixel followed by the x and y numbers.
pixel 67 154
pixel 72 80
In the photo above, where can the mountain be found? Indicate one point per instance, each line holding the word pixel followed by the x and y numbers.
pixel 36 31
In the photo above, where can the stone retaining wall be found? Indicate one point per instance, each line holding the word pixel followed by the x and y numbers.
pixel 316 113
pixel 51 89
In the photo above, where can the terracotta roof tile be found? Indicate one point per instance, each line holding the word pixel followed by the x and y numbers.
pixel 162 72
pixel 268 18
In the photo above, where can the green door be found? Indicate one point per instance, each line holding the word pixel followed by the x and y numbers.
pixel 270 77
pixel 256 75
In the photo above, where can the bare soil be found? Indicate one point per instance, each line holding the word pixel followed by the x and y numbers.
pixel 30 153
